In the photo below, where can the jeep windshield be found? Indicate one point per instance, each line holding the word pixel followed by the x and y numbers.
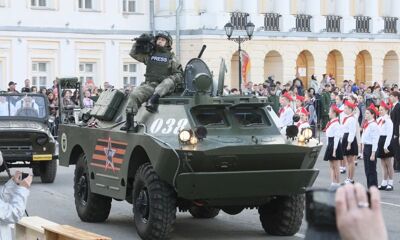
pixel 23 106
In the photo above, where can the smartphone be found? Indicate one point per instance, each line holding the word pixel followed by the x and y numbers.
pixel 24 175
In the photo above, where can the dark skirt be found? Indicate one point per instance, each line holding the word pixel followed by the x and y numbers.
pixel 380 152
pixel 353 147
pixel 329 151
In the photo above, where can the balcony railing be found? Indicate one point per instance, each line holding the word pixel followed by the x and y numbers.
pixel 271 21
pixel 333 23
pixel 239 20
pixel 303 23
pixel 390 24
pixel 362 24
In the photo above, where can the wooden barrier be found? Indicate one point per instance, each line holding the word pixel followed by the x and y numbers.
pixel 36 228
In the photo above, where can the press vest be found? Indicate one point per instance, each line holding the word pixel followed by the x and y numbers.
pixel 158 66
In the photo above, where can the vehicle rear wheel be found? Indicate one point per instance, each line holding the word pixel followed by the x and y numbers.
pixel 283 215
pixel 154 204
pixel 203 211
pixel 91 207
pixel 48 171
pixel 36 169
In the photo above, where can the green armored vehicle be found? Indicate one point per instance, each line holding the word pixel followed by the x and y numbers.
pixel 26 138
pixel 200 152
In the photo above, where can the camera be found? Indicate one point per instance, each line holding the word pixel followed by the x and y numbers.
pixel 144 43
pixel 321 214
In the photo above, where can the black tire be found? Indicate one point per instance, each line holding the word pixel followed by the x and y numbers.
pixel 203 212
pixel 283 215
pixel 154 204
pixel 36 169
pixel 90 207
pixel 48 171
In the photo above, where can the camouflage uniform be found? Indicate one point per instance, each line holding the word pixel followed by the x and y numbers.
pixel 163 72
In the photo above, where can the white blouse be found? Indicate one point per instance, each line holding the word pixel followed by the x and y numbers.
pixel 286 116
pixel 349 125
pixel 385 126
pixel 334 130
pixel 371 135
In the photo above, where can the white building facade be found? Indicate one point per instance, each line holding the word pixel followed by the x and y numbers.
pixel 349 39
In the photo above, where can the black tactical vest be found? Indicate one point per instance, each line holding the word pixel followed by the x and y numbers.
pixel 158 66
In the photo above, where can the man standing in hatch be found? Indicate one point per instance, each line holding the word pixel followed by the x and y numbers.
pixel 163 73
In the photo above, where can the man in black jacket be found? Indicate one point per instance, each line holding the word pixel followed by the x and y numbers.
pixel 395 116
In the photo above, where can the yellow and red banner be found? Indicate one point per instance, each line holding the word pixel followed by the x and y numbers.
pixel 245 66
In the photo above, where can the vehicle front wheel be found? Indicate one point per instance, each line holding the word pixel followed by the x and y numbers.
pixel 154 204
pixel 91 207
pixel 47 171
pixel 36 169
pixel 204 212
pixel 283 215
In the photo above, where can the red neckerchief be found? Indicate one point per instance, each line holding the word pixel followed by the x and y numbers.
pixel 381 121
pixel 365 125
pixel 344 120
pixel 330 123
pixel 281 111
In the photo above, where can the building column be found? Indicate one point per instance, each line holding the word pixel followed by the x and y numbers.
pixel 371 10
pixel 289 66
pixel 214 16
pixel 377 66
pixel 189 7
pixel 20 70
pixel 67 58
pixel 112 60
pixel 349 64
pixel 287 20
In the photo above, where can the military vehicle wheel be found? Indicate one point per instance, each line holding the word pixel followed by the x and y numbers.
pixel 203 212
pixel 91 207
pixel 36 169
pixel 283 215
pixel 154 204
pixel 47 171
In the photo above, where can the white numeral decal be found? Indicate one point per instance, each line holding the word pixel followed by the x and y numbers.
pixel 171 125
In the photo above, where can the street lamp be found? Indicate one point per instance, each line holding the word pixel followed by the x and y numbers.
pixel 229 31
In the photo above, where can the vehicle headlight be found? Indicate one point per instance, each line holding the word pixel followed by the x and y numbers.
pixel 185 135
pixel 42 140
pixel 193 140
pixel 307 133
pixel 301 139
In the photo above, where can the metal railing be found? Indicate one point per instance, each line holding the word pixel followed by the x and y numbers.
pixel 303 23
pixel 362 24
pixel 239 20
pixel 390 24
pixel 333 23
pixel 271 21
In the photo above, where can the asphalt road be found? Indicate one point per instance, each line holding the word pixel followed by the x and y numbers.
pixel 55 202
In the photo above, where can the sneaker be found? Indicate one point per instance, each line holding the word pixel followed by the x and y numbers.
pixel 380 187
pixel 356 162
pixel 342 170
pixel 389 188
pixel 348 181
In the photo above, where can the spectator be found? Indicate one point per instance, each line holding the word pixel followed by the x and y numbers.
pixel 274 99
pixel 355 217
pixel 325 105
pixel 43 91
pixel 27 87
pixel 33 89
pixel 75 97
pixel 11 87
pixel 87 101
pixel 13 198
pixel 297 87
pixel 314 82
pixel 53 104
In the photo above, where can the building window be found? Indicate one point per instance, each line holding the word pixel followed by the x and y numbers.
pixel 40 3
pixel 271 21
pixel 130 74
pixel 239 20
pixel 362 24
pixel 333 23
pixel 129 6
pixel 303 23
pixel 86 4
pixel 40 74
pixel 390 24
pixel 87 73
pixel 2 3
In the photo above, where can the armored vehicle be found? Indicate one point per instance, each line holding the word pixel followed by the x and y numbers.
pixel 200 152
pixel 25 134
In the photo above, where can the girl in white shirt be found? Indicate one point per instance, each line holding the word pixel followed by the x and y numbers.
pixel 385 151
pixel 334 151
pixel 303 122
pixel 369 139
pixel 349 141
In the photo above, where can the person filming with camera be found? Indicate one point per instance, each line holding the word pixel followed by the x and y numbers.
pixel 13 199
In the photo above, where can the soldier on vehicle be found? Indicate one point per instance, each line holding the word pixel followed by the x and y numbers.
pixel 163 72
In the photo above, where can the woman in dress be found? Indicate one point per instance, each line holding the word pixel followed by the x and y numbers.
pixel 334 151
pixel 383 152
pixel 349 140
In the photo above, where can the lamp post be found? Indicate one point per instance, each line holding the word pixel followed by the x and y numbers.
pixel 229 31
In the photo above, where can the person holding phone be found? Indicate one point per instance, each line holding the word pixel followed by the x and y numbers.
pixel 13 199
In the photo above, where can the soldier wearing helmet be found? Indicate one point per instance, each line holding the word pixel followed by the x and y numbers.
pixel 163 72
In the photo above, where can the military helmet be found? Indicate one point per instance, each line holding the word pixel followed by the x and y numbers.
pixel 166 35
